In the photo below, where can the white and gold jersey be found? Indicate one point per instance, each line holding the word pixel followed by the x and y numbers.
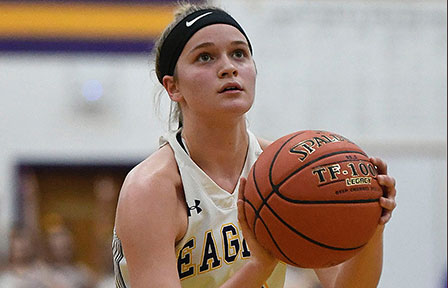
pixel 213 248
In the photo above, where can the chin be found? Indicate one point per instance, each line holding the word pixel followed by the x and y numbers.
pixel 238 110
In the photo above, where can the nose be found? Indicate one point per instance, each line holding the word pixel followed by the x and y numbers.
pixel 228 68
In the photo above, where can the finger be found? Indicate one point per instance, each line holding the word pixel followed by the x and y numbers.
pixel 247 233
pixel 381 166
pixel 241 211
pixel 241 188
pixel 388 204
pixel 385 218
pixel 388 185
pixel 386 180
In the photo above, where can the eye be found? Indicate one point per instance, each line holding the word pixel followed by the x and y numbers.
pixel 239 54
pixel 204 57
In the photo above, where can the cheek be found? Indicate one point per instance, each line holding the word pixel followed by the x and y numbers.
pixel 194 80
pixel 249 75
pixel 195 87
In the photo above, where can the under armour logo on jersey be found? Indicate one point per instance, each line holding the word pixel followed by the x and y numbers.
pixel 194 207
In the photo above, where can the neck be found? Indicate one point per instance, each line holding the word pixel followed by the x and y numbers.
pixel 219 149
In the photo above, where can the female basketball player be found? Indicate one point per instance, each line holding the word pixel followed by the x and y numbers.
pixel 177 219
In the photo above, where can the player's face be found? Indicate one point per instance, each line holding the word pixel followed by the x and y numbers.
pixel 215 73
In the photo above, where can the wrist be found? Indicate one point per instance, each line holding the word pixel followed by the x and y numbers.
pixel 264 267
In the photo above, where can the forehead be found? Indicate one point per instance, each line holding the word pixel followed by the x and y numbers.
pixel 218 34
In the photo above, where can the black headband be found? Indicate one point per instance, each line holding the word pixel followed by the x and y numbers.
pixel 175 41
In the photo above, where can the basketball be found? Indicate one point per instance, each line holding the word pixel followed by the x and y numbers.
pixel 312 199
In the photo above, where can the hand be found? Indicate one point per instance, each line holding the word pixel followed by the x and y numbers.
pixel 387 182
pixel 258 253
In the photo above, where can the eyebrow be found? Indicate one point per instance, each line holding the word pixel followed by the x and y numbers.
pixel 208 44
pixel 202 45
pixel 240 42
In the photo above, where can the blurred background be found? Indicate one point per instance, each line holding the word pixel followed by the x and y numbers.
pixel 77 113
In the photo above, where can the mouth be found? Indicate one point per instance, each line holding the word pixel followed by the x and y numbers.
pixel 231 87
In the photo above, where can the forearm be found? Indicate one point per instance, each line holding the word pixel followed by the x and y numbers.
pixel 363 270
pixel 252 274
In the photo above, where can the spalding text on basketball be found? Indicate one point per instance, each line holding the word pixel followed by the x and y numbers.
pixel 307 147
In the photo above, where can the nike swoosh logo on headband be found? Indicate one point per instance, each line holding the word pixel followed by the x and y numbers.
pixel 189 23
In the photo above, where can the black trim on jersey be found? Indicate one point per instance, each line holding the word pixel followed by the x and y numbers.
pixel 117 251
pixel 179 140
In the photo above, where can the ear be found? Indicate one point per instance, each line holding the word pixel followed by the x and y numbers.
pixel 171 87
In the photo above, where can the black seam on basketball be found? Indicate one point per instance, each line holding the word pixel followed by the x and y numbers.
pixel 315 160
pixel 274 187
pixel 255 212
pixel 276 155
pixel 269 232
pixel 358 201
pixel 259 193
pixel 310 239
pixel 328 183
pixel 263 203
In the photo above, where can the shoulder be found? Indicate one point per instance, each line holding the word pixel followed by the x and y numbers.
pixel 151 217
pixel 263 142
pixel 159 168
pixel 152 184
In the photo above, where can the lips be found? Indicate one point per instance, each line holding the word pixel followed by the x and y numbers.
pixel 232 86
